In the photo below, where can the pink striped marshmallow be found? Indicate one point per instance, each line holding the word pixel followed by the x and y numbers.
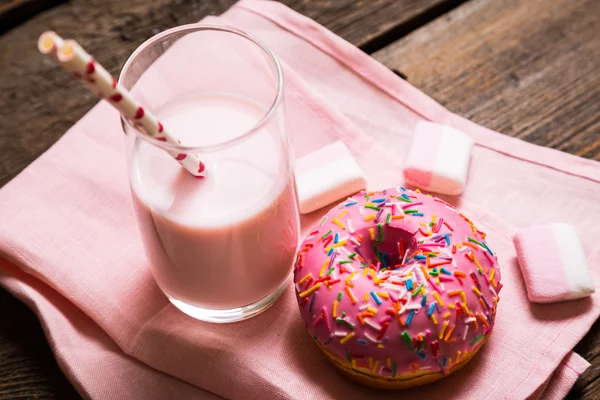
pixel 438 159
pixel 553 263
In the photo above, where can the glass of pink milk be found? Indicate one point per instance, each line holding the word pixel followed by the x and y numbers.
pixel 220 247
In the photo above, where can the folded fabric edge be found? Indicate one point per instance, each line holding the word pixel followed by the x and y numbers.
pixel 381 77
pixel 529 386
pixel 564 377
pixel 41 298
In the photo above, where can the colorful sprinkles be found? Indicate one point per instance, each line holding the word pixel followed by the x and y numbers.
pixel 422 285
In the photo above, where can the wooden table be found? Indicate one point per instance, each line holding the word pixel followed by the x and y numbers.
pixel 527 68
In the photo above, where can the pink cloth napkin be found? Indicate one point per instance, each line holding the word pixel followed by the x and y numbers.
pixel 71 247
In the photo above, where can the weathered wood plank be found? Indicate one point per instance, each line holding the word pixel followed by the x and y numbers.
pixel 27 367
pixel 14 12
pixel 588 385
pixel 527 69
pixel 370 24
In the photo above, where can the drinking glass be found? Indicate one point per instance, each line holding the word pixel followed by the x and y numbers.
pixel 221 247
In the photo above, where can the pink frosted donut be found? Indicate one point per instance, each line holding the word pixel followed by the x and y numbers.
pixel 397 288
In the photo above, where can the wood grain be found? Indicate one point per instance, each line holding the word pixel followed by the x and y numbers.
pixel 27 366
pixel 588 385
pixel 372 24
pixel 14 12
pixel 526 69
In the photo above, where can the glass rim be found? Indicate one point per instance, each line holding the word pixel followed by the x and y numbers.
pixel 207 27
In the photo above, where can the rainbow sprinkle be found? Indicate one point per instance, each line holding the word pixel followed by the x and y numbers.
pixel 376 298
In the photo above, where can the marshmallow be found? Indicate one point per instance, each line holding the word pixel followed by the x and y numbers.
pixel 327 175
pixel 553 263
pixel 438 159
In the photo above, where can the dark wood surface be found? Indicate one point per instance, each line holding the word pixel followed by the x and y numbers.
pixel 529 69
pixel 27 367
pixel 12 12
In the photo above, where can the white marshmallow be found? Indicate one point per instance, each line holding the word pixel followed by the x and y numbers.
pixel 438 159
pixel 327 175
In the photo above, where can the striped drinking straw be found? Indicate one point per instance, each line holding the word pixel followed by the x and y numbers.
pixel 98 80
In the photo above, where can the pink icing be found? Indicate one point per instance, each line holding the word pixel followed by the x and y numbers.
pixel 401 335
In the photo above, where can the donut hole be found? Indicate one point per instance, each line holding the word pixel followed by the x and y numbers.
pixel 386 247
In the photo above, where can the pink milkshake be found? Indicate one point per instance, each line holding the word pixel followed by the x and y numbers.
pixel 228 240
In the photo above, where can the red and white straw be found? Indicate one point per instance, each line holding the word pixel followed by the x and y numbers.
pixel 98 80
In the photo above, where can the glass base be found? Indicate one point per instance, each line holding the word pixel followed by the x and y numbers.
pixel 231 315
